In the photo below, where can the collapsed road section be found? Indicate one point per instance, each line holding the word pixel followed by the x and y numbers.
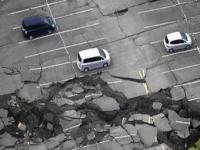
pixel 86 113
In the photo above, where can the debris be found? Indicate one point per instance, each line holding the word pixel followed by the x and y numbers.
pixel 157 105
pixel 91 136
pixel 177 93
pixel 77 89
pixel 195 123
pixel 21 126
pixel 148 135
pixel 107 103
pixel 161 123
pixel 176 122
pixel 7 140
pixel 3 113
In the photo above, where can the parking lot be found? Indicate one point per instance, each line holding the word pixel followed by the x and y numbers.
pixel 131 31
pixel 134 39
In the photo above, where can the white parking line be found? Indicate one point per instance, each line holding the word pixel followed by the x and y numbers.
pixel 60 48
pixel 155 42
pixel 186 84
pixel 79 12
pixel 183 68
pixel 115 82
pixel 75 13
pixel 160 24
pixel 51 66
pixel 161 8
pixel 70 30
pixel 194 99
pixel 186 51
pixel 36 7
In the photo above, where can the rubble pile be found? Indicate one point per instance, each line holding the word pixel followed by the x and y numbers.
pixel 86 111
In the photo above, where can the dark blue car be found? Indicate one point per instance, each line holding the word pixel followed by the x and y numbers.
pixel 35 26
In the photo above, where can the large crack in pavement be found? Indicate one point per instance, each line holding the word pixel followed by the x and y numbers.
pixel 86 111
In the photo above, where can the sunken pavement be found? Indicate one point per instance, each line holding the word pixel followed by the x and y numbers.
pixel 85 113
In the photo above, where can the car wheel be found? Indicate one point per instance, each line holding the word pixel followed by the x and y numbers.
pixel 188 46
pixel 50 31
pixel 105 65
pixel 30 37
pixel 171 50
pixel 86 69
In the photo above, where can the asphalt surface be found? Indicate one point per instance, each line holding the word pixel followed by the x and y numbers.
pixel 131 31
pixel 133 37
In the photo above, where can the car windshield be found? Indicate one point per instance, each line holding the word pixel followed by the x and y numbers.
pixel 79 58
pixel 184 36
pixel 166 39
pixel 102 53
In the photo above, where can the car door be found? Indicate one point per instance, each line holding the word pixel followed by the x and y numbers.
pixel 178 44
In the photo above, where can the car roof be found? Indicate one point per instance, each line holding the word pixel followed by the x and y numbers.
pixel 174 36
pixel 34 20
pixel 88 53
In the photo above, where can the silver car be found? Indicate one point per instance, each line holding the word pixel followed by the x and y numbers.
pixel 176 41
pixel 93 58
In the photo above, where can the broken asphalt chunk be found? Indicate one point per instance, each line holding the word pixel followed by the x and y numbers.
pixel 148 135
pixel 7 140
pixel 161 123
pixel 106 103
pixel 176 122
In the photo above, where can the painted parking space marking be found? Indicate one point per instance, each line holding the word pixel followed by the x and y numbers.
pixel 160 24
pixel 183 68
pixel 61 32
pixel 115 82
pixel 61 48
pixel 194 99
pixel 156 42
pixel 142 76
pixel 182 52
pixel 35 7
pixel 51 66
pixel 161 8
pixel 76 13
pixel 186 84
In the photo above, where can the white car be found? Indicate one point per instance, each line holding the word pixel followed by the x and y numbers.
pixel 176 41
pixel 93 58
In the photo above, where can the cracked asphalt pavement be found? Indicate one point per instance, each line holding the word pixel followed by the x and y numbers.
pixel 47 103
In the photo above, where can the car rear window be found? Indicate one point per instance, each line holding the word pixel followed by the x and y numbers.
pixel 102 53
pixel 166 39
pixel 183 35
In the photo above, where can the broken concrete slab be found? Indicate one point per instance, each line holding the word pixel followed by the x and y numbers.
pixel 176 122
pixel 3 113
pixel 62 101
pixel 1 125
pixel 73 114
pixel 130 129
pixel 150 138
pixel 77 89
pixel 177 93
pixel 7 140
pixel 162 146
pixel 91 135
pixel 69 145
pixel 10 83
pixel 195 123
pixel 70 124
pixel 157 105
pixel 30 93
pixel 162 123
pixel 141 117
pixel 183 133
pixel 55 141
pixel 106 103
pixel 38 147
